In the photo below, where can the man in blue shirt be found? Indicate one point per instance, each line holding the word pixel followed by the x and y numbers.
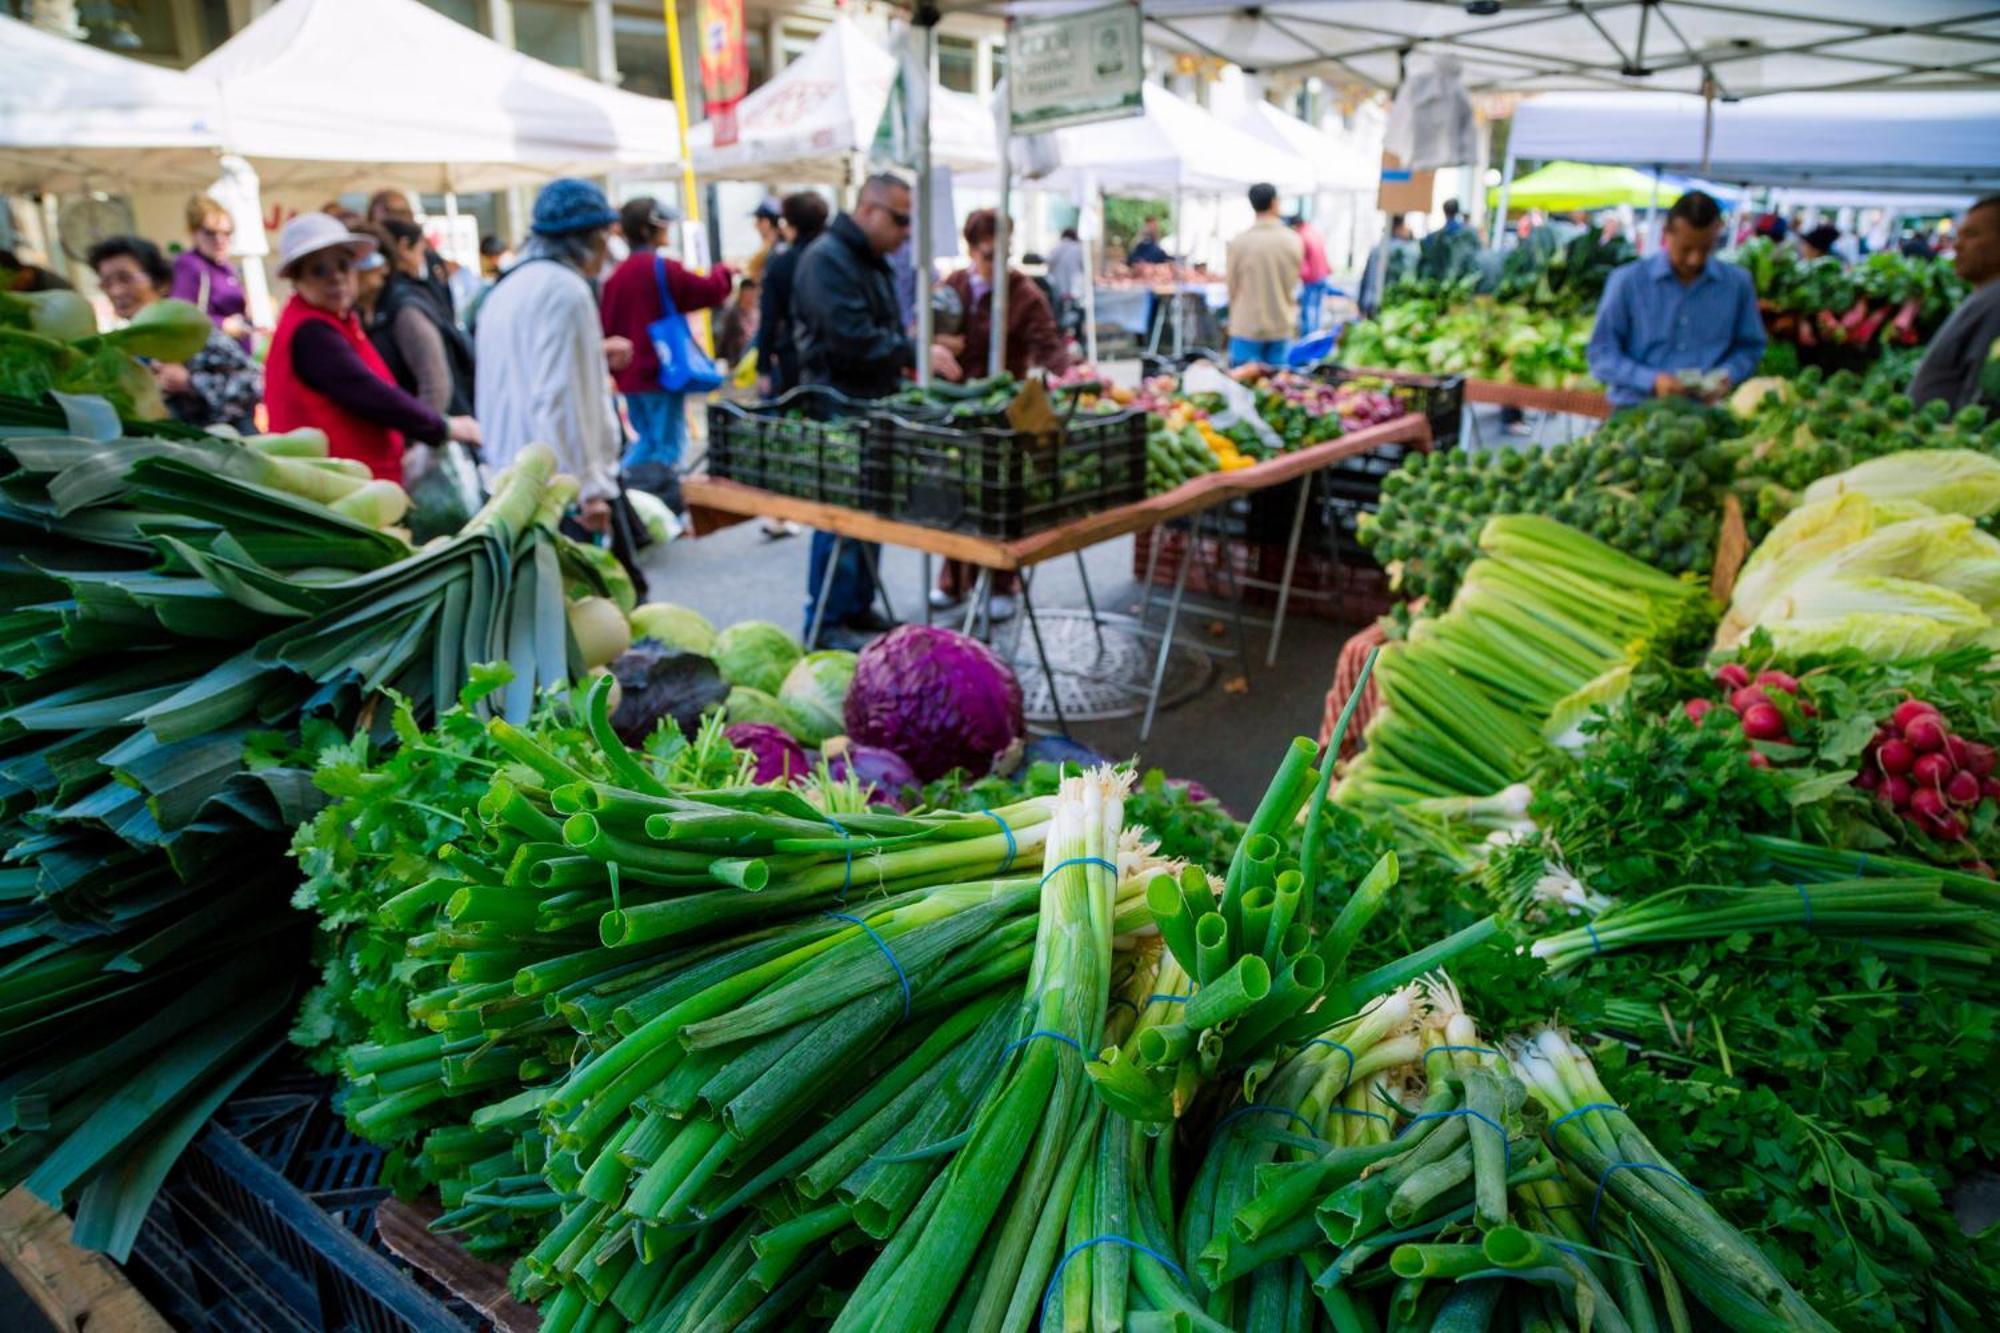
pixel 1669 320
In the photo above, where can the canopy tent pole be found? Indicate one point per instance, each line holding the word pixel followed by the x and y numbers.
pixel 1506 188
pixel 1653 208
pixel 1180 258
pixel 1092 229
pixel 690 194
pixel 918 90
pixel 996 359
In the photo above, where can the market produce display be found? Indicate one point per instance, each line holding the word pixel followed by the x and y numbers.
pixel 186 615
pixel 1482 337
pixel 1649 483
pixel 1887 299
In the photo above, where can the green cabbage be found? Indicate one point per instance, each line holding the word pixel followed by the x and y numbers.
pixel 676 627
pixel 1951 481
pixel 748 705
pixel 1890 619
pixel 756 653
pixel 814 693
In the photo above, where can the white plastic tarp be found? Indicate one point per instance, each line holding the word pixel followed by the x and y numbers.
pixel 1173 147
pixel 804 126
pixel 1932 142
pixel 73 117
pixel 340 94
pixel 1337 165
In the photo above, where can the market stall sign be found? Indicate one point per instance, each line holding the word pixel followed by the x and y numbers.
pixel 1074 69
pixel 725 65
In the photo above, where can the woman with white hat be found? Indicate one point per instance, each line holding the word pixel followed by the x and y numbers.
pixel 322 370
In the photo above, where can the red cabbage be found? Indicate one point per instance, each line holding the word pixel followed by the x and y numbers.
pixel 938 698
pixel 779 757
pixel 882 773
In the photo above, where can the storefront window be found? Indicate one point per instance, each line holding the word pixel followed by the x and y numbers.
pixel 462 11
pixel 129 28
pixel 958 63
pixel 552 32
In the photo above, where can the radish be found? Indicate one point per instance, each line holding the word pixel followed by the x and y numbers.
pixel 1868 779
pixel 1762 722
pixel 1925 734
pixel 1779 680
pixel 1979 868
pixel 1927 803
pixel 1732 677
pixel 1758 759
pixel 1962 789
pixel 1946 828
pixel 1896 791
pixel 1747 696
pixel 1990 788
pixel 1955 747
pixel 1697 709
pixel 1895 756
pixel 1932 770
pixel 1909 711
pixel 1979 758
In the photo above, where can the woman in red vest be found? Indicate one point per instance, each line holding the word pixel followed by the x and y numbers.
pixel 322 371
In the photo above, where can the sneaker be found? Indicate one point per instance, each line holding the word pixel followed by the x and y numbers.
pixel 945 601
pixel 870 621
pixel 844 637
pixel 1002 606
pixel 1517 430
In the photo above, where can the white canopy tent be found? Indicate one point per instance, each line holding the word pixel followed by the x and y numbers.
pixel 1933 143
pixel 1749 48
pixel 336 94
pixel 807 125
pixel 1337 165
pixel 74 118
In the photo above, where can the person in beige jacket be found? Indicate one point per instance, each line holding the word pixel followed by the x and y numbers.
pixel 1265 263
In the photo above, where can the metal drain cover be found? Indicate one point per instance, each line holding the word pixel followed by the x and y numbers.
pixel 1099 677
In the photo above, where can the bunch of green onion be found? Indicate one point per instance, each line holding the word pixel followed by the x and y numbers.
pixel 1537 623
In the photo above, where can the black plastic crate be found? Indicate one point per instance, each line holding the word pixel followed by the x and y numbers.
pixel 1440 399
pixel 997 482
pixel 811 444
pixel 267 1225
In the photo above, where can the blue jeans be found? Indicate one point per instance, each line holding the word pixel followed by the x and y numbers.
pixel 853 588
pixel 660 419
pixel 1310 297
pixel 1270 351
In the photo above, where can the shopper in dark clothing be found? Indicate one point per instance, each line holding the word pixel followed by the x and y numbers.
pixel 777 354
pixel 385 205
pixel 1962 365
pixel 426 351
pixel 849 333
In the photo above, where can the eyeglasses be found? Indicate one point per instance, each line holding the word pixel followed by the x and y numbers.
pixel 323 268
pixel 897 216
pixel 219 233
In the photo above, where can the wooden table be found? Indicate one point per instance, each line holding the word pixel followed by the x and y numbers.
pixel 1506 393
pixel 714 503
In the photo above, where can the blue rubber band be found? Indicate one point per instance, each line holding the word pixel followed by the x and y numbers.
pixel 1605 1179
pixel 847 845
pixel 1168 999
pixel 1081 861
pixel 1469 1114
pixel 1588 1106
pixel 1055 1279
pixel 1012 846
pixel 881 944
pixel 1595 943
pixel 614 886
pixel 1334 1045
pixel 1805 898
pixel 1477 1050
pixel 1259 1108
pixel 1062 1037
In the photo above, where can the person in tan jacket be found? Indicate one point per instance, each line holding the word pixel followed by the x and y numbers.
pixel 1265 264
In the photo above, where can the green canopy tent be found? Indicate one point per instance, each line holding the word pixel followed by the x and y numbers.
pixel 1563 186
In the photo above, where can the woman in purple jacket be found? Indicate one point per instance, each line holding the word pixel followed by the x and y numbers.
pixel 203 274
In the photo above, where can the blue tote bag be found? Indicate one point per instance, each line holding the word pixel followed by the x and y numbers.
pixel 684 366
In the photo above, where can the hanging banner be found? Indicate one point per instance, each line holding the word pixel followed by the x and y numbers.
pixel 725 65
pixel 1074 69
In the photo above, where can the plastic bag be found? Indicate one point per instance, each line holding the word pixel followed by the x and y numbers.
pixel 444 489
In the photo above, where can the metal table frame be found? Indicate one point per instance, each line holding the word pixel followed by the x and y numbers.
pixel 714 503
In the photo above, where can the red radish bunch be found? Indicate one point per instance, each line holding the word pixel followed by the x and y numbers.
pixel 1750 699
pixel 1919 769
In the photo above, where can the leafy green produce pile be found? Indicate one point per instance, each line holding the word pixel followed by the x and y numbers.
pixel 1483 338
pixel 1888 299
pixel 1650 483
pixel 175 630
pixel 1568 275
pixel 49 342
